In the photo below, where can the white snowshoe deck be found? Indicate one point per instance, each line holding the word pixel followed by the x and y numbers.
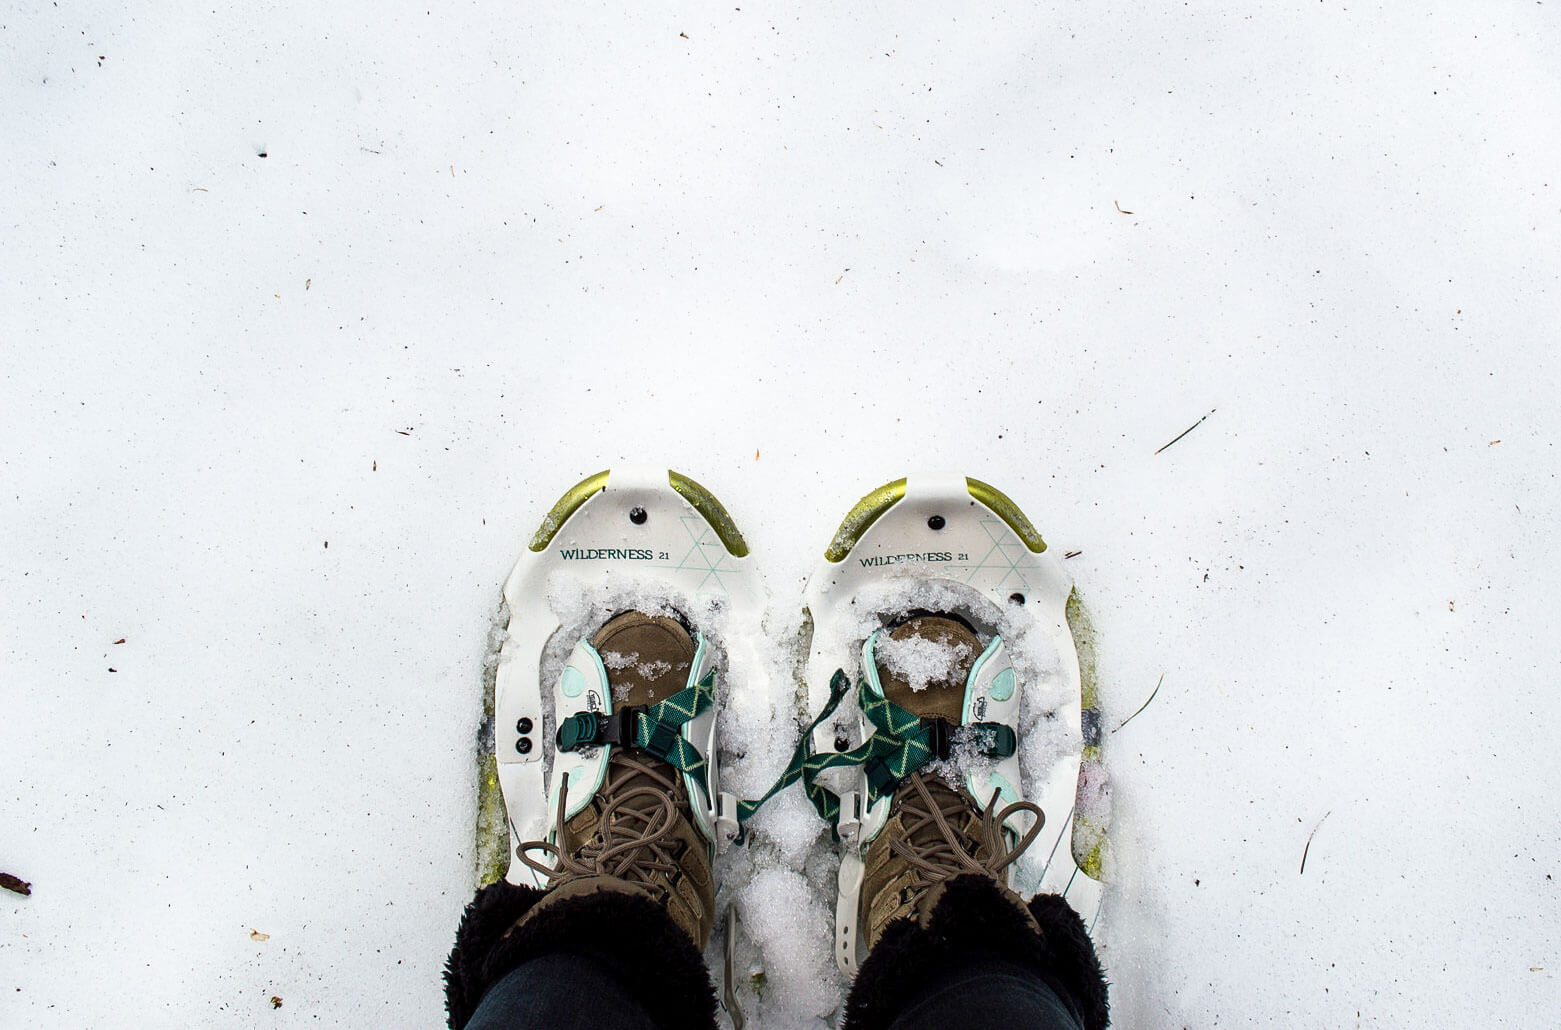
pixel 979 551
pixel 615 540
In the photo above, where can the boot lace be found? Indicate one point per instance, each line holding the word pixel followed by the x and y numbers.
pixel 631 840
pixel 938 852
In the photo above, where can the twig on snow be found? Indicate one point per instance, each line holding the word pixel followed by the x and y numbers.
pixel 1309 837
pixel 1189 429
pixel 1141 707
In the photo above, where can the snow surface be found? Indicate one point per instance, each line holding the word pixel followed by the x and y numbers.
pixel 309 312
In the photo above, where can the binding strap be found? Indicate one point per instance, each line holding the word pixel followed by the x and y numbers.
pixel 657 728
pixel 901 743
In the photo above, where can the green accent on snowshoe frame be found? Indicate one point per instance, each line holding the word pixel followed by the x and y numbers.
pixel 492 827
pixel 711 511
pixel 863 515
pixel 567 505
pixel 871 507
pixel 702 501
pixel 1082 629
pixel 1003 685
pixel 571 682
pixel 492 823
pixel 1008 511
pixel 1089 836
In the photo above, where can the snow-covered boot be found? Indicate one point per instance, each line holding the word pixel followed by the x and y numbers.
pixel 935 830
pixel 629 879
pixel 630 611
pixel 639 826
pixel 954 604
pixel 935 892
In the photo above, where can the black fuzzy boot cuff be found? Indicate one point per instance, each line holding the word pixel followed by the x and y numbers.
pixel 629 932
pixel 972 915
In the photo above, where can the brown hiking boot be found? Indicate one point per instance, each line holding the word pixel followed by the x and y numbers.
pixel 637 834
pixel 936 831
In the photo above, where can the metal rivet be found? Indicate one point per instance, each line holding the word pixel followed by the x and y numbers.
pixel 841 743
pixel 637 516
pixel 935 523
pixel 523 745
pixel 1016 598
pixel 523 727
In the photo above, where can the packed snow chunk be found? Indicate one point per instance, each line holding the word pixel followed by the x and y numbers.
pixel 617 661
pixel 790 823
pixel 795 983
pixel 921 661
pixel 653 670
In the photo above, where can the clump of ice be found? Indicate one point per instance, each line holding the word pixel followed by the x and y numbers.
pixel 791 980
pixel 653 669
pixel 761 709
pixel 498 633
pixel 782 974
pixel 901 593
pixel 617 661
pixel 921 661
pixel 789 822
pixel 967 753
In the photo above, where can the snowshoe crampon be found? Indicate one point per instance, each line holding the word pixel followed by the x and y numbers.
pixel 951 551
pixel 632 539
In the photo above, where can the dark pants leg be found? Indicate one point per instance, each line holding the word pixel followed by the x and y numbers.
pixel 560 991
pixel 988 994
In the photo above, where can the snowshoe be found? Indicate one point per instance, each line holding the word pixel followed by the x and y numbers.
pixel 631 540
pixel 941 643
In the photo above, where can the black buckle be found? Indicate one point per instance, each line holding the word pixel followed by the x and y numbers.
pixel 592 729
pixel 618 728
pixel 939 740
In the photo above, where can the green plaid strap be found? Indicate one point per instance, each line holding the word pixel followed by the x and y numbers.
pixel 906 746
pixel 660 730
pixel 657 728
pixel 900 744
pixel 805 764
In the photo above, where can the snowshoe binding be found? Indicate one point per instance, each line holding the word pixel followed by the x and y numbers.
pixel 957 729
pixel 620 624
